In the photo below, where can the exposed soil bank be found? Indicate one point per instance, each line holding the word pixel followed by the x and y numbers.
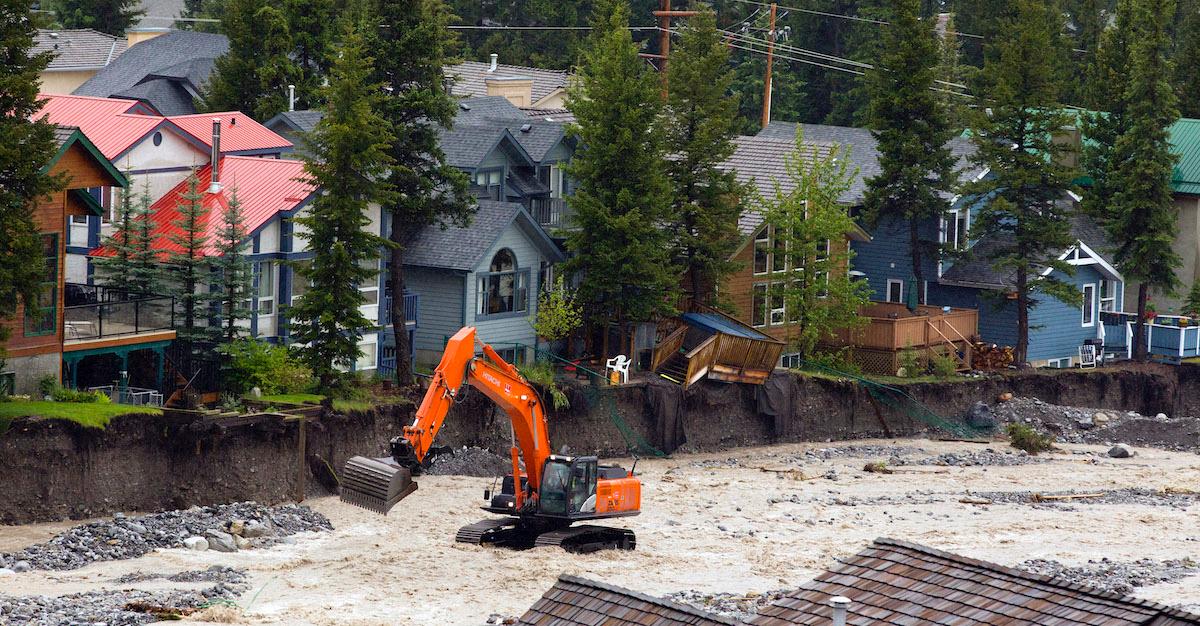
pixel 55 469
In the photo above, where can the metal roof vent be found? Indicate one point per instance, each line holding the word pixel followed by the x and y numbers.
pixel 495 58
pixel 464 106
pixel 526 128
pixel 840 606
pixel 215 186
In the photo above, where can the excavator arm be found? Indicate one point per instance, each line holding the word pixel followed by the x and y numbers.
pixel 378 484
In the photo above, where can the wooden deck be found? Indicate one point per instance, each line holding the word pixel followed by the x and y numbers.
pixel 892 329
pixel 692 352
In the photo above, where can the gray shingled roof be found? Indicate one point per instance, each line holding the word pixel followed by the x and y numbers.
pixel 179 56
pixel 160 13
pixel 862 150
pixel 472 110
pixel 537 137
pixel 898 583
pixel 63 133
pixel 563 116
pixel 462 248
pixel 762 162
pixel 472 78
pixel 466 145
pixel 574 601
pixel 302 121
pixel 976 270
pixel 83 48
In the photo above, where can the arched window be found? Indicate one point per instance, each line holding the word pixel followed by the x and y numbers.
pixel 504 288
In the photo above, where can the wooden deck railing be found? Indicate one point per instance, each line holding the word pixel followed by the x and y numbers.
pixel 910 331
pixel 700 359
pixel 668 347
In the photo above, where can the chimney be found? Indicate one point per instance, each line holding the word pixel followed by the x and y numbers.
pixel 134 36
pixel 840 604
pixel 215 186
pixel 291 97
pixel 494 58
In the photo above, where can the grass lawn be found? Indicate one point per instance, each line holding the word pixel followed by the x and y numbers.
pixel 314 398
pixel 90 414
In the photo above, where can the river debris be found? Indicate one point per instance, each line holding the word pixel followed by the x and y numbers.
pixel 1115 576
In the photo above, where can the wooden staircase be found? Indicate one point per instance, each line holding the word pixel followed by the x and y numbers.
pixel 674 368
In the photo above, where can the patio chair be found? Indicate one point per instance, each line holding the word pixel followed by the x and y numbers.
pixel 620 365
pixel 1087 356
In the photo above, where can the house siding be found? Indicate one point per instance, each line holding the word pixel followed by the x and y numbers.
pixel 886 256
pixel 1056 328
pixel 997 316
pixel 441 312
pixel 515 328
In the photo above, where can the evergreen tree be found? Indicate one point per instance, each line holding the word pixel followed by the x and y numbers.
pixel 620 254
pixel 707 199
pixel 117 268
pixel 311 25
pixel 1108 117
pixel 1141 219
pixel 810 223
pixel 26 148
pixel 1191 305
pixel 951 69
pixel 411 44
pixel 186 269
pixel 202 9
pixel 1022 219
pixel 233 270
pixel 349 163
pixel 1187 50
pixel 144 272
pixel 107 16
pixel 254 74
pixel 908 120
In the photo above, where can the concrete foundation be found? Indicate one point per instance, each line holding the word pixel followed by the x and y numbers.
pixel 28 370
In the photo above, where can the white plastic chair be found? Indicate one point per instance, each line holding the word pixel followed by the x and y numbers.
pixel 1087 356
pixel 618 364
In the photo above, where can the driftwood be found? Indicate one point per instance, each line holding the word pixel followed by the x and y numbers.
pixel 972 500
pixel 1038 497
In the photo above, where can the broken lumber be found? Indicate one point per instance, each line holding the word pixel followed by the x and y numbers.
pixel 1038 497
pixel 972 500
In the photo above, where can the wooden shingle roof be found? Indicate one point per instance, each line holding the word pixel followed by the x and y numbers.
pixel 574 601
pixel 897 582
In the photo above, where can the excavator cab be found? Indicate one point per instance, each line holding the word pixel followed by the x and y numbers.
pixel 568 486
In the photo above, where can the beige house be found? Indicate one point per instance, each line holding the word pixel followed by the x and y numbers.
pixel 78 55
pixel 526 87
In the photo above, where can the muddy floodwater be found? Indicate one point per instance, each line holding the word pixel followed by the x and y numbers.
pixel 749 520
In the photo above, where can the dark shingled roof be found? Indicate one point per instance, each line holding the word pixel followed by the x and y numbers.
pixel 466 145
pixel 976 270
pixel 550 115
pixel 181 60
pixel 536 136
pixel 762 162
pixel 78 49
pixel 574 601
pixel 472 110
pixel 472 78
pixel 63 133
pixel 302 121
pixel 462 248
pixel 862 148
pixel 897 582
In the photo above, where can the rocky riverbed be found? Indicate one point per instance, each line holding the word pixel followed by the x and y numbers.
pixel 1098 426
pixel 1116 576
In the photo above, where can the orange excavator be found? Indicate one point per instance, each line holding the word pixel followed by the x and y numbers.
pixel 544 497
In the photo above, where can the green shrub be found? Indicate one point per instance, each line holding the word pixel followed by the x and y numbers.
pixel 47 384
pixel 541 373
pixel 1024 437
pixel 944 365
pixel 839 361
pixel 910 363
pixel 269 367
pixel 63 394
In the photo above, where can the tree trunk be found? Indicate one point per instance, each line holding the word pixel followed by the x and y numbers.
pixel 1021 352
pixel 1140 351
pixel 404 374
pixel 914 252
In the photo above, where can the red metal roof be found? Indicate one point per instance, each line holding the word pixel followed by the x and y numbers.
pixel 265 187
pixel 115 125
pixel 239 133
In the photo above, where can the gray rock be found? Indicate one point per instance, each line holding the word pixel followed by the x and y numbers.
pixel 241 542
pixel 254 530
pixel 1121 451
pixel 198 544
pixel 136 527
pixel 1085 423
pixel 980 416
pixel 21 566
pixel 236 527
pixel 1161 416
pixel 220 541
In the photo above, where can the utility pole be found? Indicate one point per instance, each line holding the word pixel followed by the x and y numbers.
pixel 664 15
pixel 766 111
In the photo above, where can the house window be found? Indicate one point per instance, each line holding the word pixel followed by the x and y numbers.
pixel 779 253
pixel 794 310
pixel 895 290
pixel 367 353
pixel 300 284
pixel 512 356
pixel 556 181
pixel 778 309
pixel 1089 305
pixel 490 181
pixel 822 279
pixel 956 235
pixel 504 288
pixel 369 288
pixel 762 251
pixel 758 305
pixel 1108 295
pixel 41 315
pixel 790 361
pixel 265 271
pixel 823 251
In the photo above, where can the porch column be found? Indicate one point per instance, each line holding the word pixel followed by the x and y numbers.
pixel 158 362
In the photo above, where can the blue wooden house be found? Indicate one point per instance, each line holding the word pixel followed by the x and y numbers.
pixel 1057 329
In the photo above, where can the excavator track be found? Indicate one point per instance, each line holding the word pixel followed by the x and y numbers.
pixel 502 530
pixel 587 538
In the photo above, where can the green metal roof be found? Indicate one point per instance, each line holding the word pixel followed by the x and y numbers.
pixel 1185 141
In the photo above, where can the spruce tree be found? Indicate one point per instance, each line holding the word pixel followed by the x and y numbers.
pixel 107 16
pixel 411 44
pixel 952 69
pixel 1023 219
pixel 908 120
pixel 186 269
pixel 1141 219
pixel 26 148
pixel 706 199
pixel 1187 50
pixel 349 163
pixel 145 275
pixel 622 197
pixel 311 25
pixel 233 269
pixel 117 267
pixel 1107 118
pixel 253 75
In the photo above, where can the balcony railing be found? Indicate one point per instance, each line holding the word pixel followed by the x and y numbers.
pixel 550 212
pixel 98 312
pixel 412 307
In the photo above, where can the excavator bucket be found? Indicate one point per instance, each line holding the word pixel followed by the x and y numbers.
pixel 375 484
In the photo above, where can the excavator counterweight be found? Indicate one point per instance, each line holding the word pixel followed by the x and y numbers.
pixel 542 497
